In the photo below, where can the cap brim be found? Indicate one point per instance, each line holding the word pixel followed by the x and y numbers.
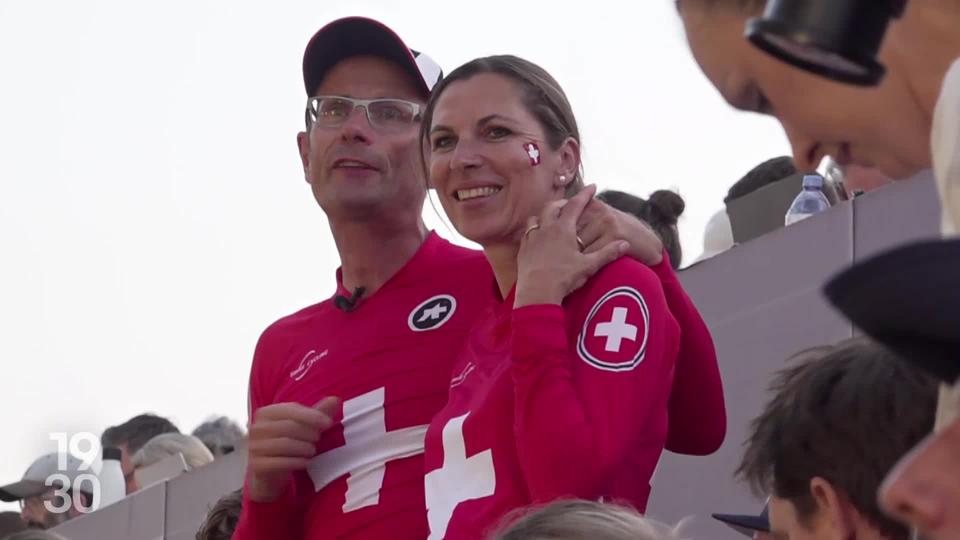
pixel 355 36
pixel 908 299
pixel 744 524
pixel 21 490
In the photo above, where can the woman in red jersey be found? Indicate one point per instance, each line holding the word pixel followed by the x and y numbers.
pixel 565 388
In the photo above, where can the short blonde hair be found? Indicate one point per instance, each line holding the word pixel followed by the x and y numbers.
pixel 195 453
pixel 579 519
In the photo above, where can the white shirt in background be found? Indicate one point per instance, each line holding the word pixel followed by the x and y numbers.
pixel 945 142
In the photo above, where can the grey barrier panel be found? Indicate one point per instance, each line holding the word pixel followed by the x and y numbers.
pixel 762 302
pixel 191 495
pixel 137 517
pixel 895 214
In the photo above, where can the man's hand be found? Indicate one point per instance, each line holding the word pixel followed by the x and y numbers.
pixel 283 439
pixel 601 225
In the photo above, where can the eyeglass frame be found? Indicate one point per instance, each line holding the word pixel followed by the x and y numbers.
pixel 47 495
pixel 363 103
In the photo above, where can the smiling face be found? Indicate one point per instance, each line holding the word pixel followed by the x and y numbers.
pixel 882 127
pixel 355 169
pixel 490 161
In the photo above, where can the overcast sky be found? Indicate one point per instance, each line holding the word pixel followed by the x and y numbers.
pixel 153 214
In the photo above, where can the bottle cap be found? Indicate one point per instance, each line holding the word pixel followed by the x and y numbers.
pixel 812 181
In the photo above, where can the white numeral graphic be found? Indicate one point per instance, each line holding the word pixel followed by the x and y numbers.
pixel 84 447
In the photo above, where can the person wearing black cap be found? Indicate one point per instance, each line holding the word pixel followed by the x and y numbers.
pixel 756 527
pixel 45 500
pixel 341 392
pixel 908 122
pixel 909 300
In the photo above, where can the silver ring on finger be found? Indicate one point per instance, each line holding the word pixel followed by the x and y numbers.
pixel 580 244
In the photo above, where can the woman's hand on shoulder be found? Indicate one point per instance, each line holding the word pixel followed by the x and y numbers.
pixel 552 262
pixel 600 224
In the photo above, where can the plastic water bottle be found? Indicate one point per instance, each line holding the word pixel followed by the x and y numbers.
pixel 112 485
pixel 810 201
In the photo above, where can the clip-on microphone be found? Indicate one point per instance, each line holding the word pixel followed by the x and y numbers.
pixel 348 304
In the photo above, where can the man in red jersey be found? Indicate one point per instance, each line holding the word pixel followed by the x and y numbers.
pixel 341 392
pixel 383 345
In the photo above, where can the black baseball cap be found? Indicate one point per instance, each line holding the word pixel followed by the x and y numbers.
pixel 908 299
pixel 355 36
pixel 746 524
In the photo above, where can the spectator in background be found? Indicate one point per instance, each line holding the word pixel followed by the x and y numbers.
pixel 40 488
pixel 35 534
pixel 768 172
pixel 195 453
pixel 756 204
pixel 222 518
pixel 10 522
pixel 660 212
pixel 839 419
pixel 220 435
pixel 583 520
pixel 717 235
pixel 130 437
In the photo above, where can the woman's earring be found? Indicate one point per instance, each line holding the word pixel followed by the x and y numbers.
pixel 563 180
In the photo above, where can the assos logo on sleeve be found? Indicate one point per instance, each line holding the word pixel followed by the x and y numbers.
pixel 614 334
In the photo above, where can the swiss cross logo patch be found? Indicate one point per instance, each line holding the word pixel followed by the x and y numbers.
pixel 614 335
pixel 432 313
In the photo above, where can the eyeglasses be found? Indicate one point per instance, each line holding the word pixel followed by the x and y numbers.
pixel 36 501
pixel 385 115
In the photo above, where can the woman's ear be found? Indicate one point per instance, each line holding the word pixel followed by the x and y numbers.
pixel 569 164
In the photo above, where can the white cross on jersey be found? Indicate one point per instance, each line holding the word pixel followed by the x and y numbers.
pixel 368 446
pixel 460 479
pixel 616 330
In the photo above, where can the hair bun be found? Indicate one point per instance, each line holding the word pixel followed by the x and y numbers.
pixel 666 205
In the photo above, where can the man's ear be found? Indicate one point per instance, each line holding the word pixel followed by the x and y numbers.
pixel 303 146
pixel 85 501
pixel 424 164
pixel 834 508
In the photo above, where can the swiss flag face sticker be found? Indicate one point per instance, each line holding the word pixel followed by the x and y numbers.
pixel 614 335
